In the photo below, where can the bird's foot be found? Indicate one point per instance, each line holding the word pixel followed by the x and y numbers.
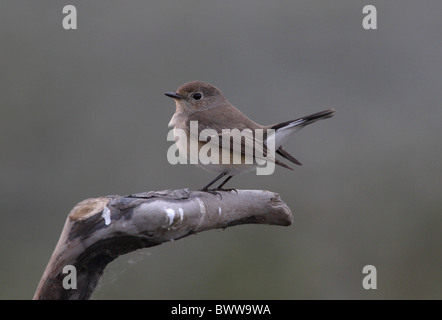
pixel 215 191
pixel 226 190
pixel 212 191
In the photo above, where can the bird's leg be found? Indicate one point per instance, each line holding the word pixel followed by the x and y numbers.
pixel 206 187
pixel 220 187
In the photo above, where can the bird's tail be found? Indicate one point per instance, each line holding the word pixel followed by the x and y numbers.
pixel 285 129
pixel 305 120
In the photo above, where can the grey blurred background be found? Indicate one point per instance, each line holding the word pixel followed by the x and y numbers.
pixel 83 115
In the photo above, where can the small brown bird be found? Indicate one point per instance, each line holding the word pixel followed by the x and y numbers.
pixel 204 103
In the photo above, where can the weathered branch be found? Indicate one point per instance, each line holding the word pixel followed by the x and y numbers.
pixel 99 230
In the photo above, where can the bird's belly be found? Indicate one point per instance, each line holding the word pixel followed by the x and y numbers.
pixel 189 148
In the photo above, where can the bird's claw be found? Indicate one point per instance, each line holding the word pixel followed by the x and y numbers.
pixel 215 191
pixel 227 190
pixel 212 191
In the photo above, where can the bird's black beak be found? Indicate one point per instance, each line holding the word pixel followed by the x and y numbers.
pixel 174 95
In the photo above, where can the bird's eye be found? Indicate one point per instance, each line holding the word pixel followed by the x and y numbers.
pixel 197 96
